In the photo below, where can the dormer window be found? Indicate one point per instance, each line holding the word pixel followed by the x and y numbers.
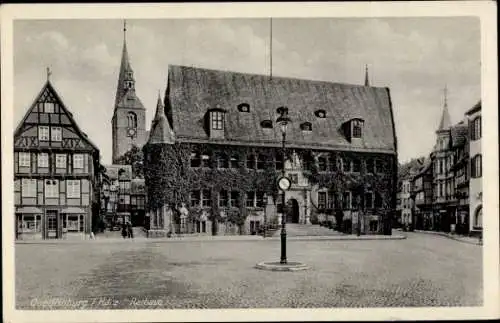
pixel 267 124
pixel 306 126
pixel 320 113
pixel 357 128
pixel 244 107
pixel 217 120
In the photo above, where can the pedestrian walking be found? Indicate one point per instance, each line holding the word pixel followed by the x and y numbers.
pixel 130 231
pixel 124 230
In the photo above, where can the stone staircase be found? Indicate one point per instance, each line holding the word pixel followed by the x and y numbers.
pixel 303 230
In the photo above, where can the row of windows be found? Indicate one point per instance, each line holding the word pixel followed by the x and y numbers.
pixel 259 162
pixel 227 198
pixel 46 133
pixel 217 123
pixel 29 186
pixel 348 200
pixel 43 160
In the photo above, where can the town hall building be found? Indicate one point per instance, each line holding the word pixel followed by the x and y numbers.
pixel 214 152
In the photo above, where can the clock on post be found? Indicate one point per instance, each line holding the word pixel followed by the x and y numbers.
pixel 284 183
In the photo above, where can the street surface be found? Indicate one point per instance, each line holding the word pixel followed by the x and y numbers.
pixel 423 270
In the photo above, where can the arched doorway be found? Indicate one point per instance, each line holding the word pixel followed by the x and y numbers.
pixel 292 215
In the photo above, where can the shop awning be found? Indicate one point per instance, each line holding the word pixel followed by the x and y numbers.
pixel 73 210
pixel 29 210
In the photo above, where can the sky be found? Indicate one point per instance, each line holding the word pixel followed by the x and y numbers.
pixel 414 57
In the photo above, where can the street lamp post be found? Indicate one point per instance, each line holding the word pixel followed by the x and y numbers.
pixel 284 183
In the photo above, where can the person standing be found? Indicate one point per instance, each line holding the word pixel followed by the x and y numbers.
pixel 124 230
pixel 130 230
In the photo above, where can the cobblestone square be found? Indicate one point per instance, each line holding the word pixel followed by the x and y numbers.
pixel 422 270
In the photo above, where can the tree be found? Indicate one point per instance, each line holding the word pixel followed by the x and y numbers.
pixel 135 158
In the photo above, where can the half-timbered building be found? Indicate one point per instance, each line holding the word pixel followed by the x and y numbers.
pixel 55 172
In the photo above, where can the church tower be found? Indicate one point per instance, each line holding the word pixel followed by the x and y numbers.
pixel 129 117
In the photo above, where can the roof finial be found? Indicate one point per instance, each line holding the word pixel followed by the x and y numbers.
pixel 48 73
pixel 367 80
pixel 124 30
pixel 445 95
pixel 271 48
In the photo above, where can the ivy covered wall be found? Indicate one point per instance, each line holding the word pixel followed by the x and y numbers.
pixel 170 177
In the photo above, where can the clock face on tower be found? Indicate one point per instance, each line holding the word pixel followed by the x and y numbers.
pixel 284 183
pixel 131 132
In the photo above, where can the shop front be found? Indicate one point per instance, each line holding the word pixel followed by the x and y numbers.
pixel 29 223
pixel 73 220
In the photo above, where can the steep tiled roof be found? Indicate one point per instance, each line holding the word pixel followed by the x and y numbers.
pixel 475 108
pixel 192 91
pixel 49 88
pixel 459 134
pixel 161 132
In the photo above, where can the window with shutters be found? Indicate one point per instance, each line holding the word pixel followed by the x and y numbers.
pixel 55 133
pixel 24 159
pixel 52 188
pixel 61 161
pixel 73 188
pixel 476 166
pixel 78 161
pixel 475 131
pixel 28 188
pixel 43 133
pixel 43 160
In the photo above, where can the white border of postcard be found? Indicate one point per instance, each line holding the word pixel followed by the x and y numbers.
pixel 484 9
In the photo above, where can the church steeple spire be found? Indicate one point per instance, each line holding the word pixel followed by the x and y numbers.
pixel 367 80
pixel 126 81
pixel 445 117
pixel 129 116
